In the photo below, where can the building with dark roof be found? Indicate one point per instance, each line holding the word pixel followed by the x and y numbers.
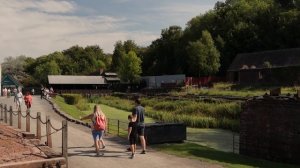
pixel 67 82
pixel 276 67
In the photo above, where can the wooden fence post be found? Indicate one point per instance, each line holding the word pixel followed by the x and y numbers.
pixel 65 140
pixel 233 143
pixel 1 106
pixel 38 126
pixel 5 113
pixel 107 125
pixel 19 108
pixel 28 121
pixel 19 118
pixel 10 116
pixel 48 131
pixel 118 127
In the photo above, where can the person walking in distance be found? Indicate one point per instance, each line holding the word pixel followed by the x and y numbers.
pixel 42 91
pixel 138 116
pixel 19 99
pixel 28 100
pixel 98 127
pixel 132 135
pixel 32 91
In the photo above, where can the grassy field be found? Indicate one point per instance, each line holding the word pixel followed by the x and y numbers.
pixel 71 110
pixel 230 160
pixel 198 114
pixel 229 89
pixel 114 115
pixel 219 139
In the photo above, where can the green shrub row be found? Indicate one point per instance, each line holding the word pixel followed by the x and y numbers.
pixel 77 100
pixel 72 99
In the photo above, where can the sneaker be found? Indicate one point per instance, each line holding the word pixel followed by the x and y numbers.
pixel 98 153
pixel 103 147
pixel 128 149
pixel 132 156
pixel 143 152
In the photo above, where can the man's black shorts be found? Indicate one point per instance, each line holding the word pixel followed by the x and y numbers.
pixel 141 130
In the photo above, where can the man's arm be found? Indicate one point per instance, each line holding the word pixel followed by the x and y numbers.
pixel 134 114
pixel 86 117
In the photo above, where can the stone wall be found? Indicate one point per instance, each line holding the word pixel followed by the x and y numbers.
pixel 270 128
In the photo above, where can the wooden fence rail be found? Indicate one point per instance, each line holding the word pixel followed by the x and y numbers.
pixel 39 122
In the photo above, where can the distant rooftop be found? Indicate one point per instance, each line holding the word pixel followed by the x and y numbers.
pixel 69 79
pixel 110 74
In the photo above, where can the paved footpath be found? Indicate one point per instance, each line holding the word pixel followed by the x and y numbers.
pixel 82 155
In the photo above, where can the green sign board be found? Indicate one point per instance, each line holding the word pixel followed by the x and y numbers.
pixel 9 82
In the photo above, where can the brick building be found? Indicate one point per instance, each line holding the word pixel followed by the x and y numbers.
pixel 277 67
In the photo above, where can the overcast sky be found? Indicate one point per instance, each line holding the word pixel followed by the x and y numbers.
pixel 38 27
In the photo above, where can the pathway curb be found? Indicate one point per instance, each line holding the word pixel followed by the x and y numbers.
pixel 66 116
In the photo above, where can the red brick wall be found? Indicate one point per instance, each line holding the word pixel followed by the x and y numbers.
pixel 270 129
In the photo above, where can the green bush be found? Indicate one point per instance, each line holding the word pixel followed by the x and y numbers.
pixel 76 99
pixel 83 105
pixel 72 99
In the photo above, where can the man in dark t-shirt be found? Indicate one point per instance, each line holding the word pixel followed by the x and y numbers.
pixel 138 115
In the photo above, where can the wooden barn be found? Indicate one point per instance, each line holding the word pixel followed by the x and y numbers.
pixel 69 82
pixel 276 67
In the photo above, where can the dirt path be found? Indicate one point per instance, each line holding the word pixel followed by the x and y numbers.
pixel 82 155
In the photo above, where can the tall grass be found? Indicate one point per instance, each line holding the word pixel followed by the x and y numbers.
pixel 77 100
pixel 217 110
pixel 194 114
pixel 230 89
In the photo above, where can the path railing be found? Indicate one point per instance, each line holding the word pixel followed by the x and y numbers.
pixel 117 127
pixel 49 127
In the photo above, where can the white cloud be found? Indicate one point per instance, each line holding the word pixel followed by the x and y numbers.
pixel 54 6
pixel 50 6
pixel 35 28
pixel 120 1
pixel 38 27
pixel 182 8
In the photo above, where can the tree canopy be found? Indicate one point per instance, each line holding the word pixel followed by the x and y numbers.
pixel 130 68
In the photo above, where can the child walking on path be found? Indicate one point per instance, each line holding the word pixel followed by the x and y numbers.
pixel 132 135
pixel 98 127
pixel 28 100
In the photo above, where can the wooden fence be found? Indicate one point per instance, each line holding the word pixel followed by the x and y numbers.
pixel 7 117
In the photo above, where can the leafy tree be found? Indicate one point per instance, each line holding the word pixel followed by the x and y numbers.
pixel 13 65
pixel 130 45
pixel 165 51
pixel 204 58
pixel 119 53
pixel 83 61
pixel 130 68
pixel 43 70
